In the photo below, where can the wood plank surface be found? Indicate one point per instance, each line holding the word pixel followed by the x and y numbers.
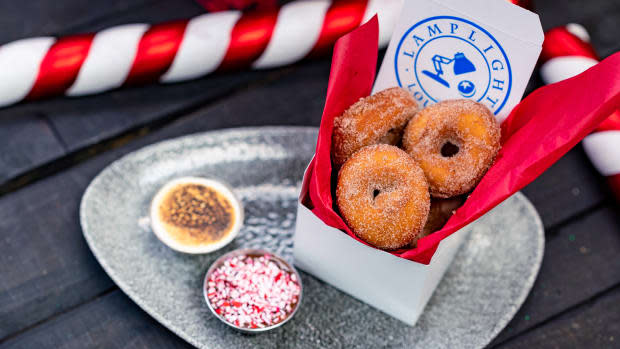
pixel 23 19
pixel 581 261
pixel 26 141
pixel 111 321
pixel 45 264
pixel 568 188
pixel 595 324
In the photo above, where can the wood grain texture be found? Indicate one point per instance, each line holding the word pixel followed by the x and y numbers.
pixel 26 141
pixel 45 264
pixel 580 262
pixel 85 121
pixel 595 324
pixel 22 19
pixel 569 187
pixel 112 321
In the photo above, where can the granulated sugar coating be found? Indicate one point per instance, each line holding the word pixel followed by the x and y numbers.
pixel 252 291
pixel 383 196
pixel 380 118
pixel 454 142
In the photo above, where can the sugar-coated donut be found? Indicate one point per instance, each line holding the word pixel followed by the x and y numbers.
pixel 454 142
pixel 380 118
pixel 383 196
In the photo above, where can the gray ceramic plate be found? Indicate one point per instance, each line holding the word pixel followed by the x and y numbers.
pixel 488 281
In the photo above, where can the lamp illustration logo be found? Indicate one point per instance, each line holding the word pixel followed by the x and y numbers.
pixel 462 65
pixel 449 57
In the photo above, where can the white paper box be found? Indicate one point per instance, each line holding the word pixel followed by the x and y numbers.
pixel 484 50
pixel 396 286
pixel 501 40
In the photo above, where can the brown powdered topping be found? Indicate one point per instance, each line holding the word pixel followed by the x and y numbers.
pixel 195 214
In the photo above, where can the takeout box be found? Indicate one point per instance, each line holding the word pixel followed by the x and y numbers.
pixel 535 133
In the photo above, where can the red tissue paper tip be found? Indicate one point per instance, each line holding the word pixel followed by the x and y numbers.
pixel 352 75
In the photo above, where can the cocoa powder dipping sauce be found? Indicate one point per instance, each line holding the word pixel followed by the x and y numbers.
pixel 195 215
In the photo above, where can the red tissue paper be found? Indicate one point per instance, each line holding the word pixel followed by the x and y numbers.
pixel 538 131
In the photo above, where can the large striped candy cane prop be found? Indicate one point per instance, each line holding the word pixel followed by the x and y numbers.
pixel 182 50
pixel 566 53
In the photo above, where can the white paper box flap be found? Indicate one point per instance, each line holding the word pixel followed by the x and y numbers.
pixel 484 50
pixel 514 20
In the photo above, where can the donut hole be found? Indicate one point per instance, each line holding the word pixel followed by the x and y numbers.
pixel 392 137
pixel 379 189
pixel 449 149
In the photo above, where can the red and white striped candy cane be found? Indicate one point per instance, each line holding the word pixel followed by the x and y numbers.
pixel 566 53
pixel 181 50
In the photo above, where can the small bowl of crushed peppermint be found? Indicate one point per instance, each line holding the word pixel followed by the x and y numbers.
pixel 252 290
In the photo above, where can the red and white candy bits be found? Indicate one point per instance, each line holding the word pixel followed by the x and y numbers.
pixel 252 291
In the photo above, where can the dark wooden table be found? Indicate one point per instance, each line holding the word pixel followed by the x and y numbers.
pixel 54 294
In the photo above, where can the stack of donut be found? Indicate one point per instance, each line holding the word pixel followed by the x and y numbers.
pixel 403 171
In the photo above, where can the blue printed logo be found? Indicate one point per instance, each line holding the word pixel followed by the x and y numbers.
pixel 449 57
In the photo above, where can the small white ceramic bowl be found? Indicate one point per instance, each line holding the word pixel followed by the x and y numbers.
pixel 163 235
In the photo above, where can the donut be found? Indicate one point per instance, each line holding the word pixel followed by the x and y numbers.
pixel 377 119
pixel 454 142
pixel 441 210
pixel 383 196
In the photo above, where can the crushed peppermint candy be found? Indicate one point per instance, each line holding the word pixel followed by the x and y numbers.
pixel 253 291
